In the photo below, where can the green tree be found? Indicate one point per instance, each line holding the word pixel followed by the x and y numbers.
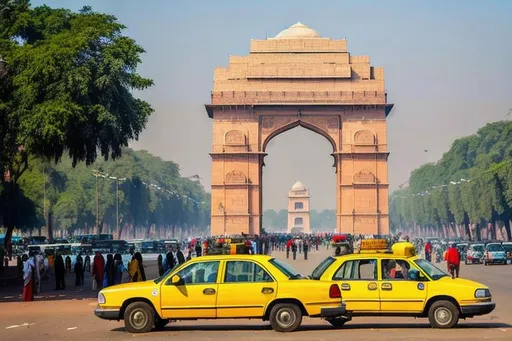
pixel 67 90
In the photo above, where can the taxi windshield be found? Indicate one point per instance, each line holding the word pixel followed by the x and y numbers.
pixel 285 268
pixel 159 279
pixel 431 270
pixel 320 269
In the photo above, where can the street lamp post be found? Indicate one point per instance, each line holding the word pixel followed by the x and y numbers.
pixel 96 173
pixel 117 198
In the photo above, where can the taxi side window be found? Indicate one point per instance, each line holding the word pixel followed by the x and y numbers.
pixel 244 272
pixel 199 273
pixel 363 269
pixel 396 269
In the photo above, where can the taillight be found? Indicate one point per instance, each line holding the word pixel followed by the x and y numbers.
pixel 334 291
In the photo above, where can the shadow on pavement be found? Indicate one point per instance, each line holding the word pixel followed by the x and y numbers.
pixel 176 327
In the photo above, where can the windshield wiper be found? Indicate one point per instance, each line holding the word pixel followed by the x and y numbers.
pixel 296 276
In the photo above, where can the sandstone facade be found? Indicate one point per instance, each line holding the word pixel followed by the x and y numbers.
pixel 299 78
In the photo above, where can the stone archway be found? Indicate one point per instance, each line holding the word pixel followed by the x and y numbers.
pixel 299 78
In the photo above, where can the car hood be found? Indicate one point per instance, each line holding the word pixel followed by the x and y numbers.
pixel 130 286
pixel 463 282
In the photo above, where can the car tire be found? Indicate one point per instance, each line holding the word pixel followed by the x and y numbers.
pixel 285 317
pixel 139 317
pixel 337 322
pixel 161 323
pixel 443 315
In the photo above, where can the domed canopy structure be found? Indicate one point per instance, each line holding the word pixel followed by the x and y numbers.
pixel 298 31
pixel 298 186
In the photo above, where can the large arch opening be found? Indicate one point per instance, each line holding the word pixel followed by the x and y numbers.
pixel 299 152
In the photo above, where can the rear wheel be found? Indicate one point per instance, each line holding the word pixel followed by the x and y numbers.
pixel 443 314
pixel 139 317
pixel 285 317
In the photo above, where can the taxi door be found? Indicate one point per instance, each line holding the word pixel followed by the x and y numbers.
pixel 195 296
pixel 398 293
pixel 245 290
pixel 358 283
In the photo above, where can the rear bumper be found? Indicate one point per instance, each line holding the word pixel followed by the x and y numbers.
pixel 477 309
pixel 333 312
pixel 107 314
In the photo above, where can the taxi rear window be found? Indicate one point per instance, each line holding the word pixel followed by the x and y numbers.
pixel 320 269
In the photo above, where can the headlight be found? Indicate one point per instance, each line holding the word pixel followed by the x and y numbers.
pixel 101 298
pixel 482 293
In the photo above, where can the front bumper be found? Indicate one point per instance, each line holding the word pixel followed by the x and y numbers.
pixel 477 309
pixel 107 314
pixel 333 312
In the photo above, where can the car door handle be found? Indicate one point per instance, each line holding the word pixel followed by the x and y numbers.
pixel 345 287
pixel 372 286
pixel 209 291
pixel 386 286
pixel 267 290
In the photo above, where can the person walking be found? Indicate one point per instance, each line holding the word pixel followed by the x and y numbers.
pixel 79 271
pixel 294 251
pixel 453 260
pixel 60 273
pixel 108 277
pixel 305 246
pixel 119 267
pixel 428 251
pixel 98 267
pixel 28 278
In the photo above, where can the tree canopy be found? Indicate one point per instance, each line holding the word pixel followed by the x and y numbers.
pixel 152 193
pixel 67 90
pixel 471 186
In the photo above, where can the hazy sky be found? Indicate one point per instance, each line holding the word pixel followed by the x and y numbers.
pixel 447 66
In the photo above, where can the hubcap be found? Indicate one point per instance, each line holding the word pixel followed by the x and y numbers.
pixel 139 319
pixel 285 317
pixel 443 316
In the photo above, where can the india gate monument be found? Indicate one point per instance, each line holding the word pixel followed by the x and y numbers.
pixel 299 78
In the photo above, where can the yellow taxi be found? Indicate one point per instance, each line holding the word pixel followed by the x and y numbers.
pixel 222 287
pixel 378 282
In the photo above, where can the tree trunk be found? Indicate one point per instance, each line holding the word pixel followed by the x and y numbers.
pixel 506 222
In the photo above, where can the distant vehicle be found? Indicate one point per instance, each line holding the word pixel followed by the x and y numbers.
pixel 475 254
pixel 508 249
pixel 495 254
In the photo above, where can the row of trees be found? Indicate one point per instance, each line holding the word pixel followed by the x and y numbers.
pixel 278 220
pixel 66 83
pixel 151 192
pixel 470 188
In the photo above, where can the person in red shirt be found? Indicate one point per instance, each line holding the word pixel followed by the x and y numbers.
pixel 453 260
pixel 428 251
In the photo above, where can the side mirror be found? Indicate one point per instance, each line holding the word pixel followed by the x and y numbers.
pixel 176 280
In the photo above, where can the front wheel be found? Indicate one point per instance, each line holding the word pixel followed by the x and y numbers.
pixel 139 317
pixel 337 322
pixel 285 317
pixel 443 314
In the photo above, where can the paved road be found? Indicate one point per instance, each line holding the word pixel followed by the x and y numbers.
pixel 69 317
